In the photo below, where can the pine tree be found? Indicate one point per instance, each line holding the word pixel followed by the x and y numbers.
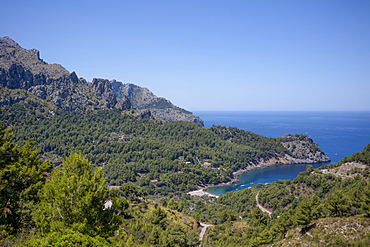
pixel 74 198
pixel 21 177
pixel 339 204
pixel 308 210
pixel 366 202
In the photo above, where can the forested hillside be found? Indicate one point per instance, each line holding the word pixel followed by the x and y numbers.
pixel 162 157
pixel 318 207
pixel 63 113
pixel 71 206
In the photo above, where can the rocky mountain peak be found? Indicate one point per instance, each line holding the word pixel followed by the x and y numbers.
pixel 7 41
pixel 12 53
pixel 142 98
pixel 103 90
pixel 24 69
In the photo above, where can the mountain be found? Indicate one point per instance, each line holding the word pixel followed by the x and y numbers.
pixel 142 98
pixel 154 163
pixel 40 101
pixel 24 69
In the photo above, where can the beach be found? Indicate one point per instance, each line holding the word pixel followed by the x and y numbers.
pixel 201 193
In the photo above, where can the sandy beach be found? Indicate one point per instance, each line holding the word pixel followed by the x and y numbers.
pixel 201 193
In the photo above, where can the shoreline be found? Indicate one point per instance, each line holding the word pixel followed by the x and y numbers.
pixel 200 192
pixel 251 167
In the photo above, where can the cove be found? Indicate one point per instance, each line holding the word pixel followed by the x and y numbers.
pixel 265 175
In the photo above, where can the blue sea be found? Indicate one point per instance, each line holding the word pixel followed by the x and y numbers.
pixel 339 134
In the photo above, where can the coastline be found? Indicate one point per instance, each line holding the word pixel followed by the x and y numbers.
pixel 286 160
pixel 200 192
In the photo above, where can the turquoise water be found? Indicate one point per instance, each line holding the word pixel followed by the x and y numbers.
pixel 338 134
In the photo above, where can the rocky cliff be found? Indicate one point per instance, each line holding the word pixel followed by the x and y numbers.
pixel 142 98
pixel 301 150
pixel 24 70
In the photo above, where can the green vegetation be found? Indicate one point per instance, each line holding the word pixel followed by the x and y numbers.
pixel 155 162
pixel 162 157
pixel 21 177
pixel 304 203
pixel 73 198
pixel 64 206
pixel 55 174
pixel 362 157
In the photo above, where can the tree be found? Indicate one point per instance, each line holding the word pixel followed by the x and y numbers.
pixel 265 237
pixel 74 199
pixel 159 216
pixel 192 238
pixel 226 215
pixel 21 177
pixel 173 204
pixel 120 205
pixel 68 238
pixel 130 192
pixel 308 210
pixel 155 235
pixel 339 204
pixel 258 217
pixel 366 202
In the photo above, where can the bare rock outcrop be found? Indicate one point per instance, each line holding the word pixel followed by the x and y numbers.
pixel 103 90
pixel 143 98
pixel 302 149
pixel 24 69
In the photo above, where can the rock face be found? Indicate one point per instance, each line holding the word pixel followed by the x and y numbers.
pixel 145 114
pixel 103 90
pixel 24 69
pixel 9 98
pixel 303 149
pixel 142 98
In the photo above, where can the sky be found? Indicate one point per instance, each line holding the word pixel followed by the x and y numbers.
pixel 234 55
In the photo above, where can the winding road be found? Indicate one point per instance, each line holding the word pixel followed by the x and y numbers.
pixel 262 208
pixel 204 229
pixel 205 226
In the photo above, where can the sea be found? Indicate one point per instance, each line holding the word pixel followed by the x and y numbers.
pixel 339 134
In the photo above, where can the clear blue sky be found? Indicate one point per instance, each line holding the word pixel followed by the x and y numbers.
pixel 209 54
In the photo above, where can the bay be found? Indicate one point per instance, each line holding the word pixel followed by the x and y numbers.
pixel 339 134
